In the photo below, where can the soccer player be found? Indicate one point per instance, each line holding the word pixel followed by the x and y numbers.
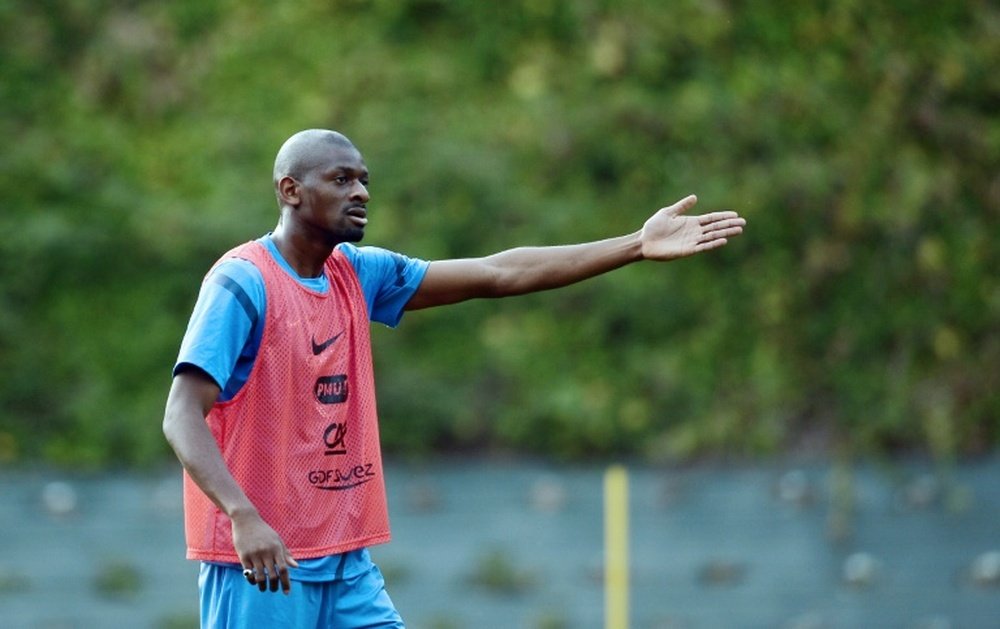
pixel 272 407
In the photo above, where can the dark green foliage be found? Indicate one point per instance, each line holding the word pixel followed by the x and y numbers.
pixel 861 141
pixel 496 573
pixel 118 579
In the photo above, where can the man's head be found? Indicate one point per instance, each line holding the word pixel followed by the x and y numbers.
pixel 321 183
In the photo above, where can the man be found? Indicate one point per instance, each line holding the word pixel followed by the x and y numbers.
pixel 272 407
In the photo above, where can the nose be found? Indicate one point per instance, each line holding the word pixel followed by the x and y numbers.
pixel 359 192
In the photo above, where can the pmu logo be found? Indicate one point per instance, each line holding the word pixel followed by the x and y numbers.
pixel 332 389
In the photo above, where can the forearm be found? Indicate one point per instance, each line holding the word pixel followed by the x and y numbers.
pixel 204 463
pixel 522 270
pixel 530 269
pixel 187 432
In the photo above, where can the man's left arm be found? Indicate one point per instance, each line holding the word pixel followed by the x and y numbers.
pixel 666 235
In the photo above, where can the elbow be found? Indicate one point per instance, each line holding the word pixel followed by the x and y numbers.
pixel 169 427
pixel 177 426
pixel 179 437
pixel 506 282
pixel 174 425
pixel 188 404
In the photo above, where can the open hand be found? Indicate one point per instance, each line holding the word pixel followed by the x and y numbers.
pixel 669 234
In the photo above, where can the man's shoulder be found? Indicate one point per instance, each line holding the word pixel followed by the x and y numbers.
pixel 239 270
pixel 369 259
pixel 352 250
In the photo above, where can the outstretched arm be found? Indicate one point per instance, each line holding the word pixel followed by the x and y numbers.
pixel 666 235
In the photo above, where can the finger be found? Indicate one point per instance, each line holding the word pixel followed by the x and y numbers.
pixel 711 244
pixel 260 576
pixel 684 204
pixel 272 573
pixel 726 232
pixel 283 573
pixel 248 574
pixel 286 583
pixel 721 215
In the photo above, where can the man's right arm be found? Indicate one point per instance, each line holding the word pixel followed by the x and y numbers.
pixel 259 547
pixel 667 235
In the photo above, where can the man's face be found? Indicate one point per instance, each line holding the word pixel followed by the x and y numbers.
pixel 334 195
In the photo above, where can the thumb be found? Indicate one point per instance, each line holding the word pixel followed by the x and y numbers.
pixel 291 560
pixel 684 204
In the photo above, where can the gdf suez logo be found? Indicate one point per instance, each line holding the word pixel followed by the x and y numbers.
pixel 339 479
pixel 331 389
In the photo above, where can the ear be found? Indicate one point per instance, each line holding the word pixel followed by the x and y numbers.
pixel 288 191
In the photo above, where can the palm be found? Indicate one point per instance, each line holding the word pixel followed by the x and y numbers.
pixel 669 234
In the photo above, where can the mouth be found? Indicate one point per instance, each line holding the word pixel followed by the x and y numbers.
pixel 358 215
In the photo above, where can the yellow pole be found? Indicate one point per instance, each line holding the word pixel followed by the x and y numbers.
pixel 616 548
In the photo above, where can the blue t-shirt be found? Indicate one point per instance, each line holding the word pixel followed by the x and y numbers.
pixel 225 329
pixel 227 323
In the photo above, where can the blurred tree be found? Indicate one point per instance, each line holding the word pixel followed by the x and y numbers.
pixel 860 140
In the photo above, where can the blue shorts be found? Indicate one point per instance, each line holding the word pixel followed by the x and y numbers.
pixel 347 601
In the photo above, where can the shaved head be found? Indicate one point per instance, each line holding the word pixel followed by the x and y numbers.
pixel 305 151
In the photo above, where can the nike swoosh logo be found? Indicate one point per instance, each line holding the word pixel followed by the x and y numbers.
pixel 319 347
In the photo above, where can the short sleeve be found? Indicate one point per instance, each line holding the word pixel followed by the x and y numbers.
pixel 225 328
pixel 388 280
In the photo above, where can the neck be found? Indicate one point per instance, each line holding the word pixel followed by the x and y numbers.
pixel 305 255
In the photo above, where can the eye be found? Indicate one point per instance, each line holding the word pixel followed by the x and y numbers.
pixel 340 180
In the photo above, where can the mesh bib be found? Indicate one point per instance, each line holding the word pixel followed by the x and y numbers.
pixel 301 436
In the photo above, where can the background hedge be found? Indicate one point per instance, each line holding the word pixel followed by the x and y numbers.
pixel 859 312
